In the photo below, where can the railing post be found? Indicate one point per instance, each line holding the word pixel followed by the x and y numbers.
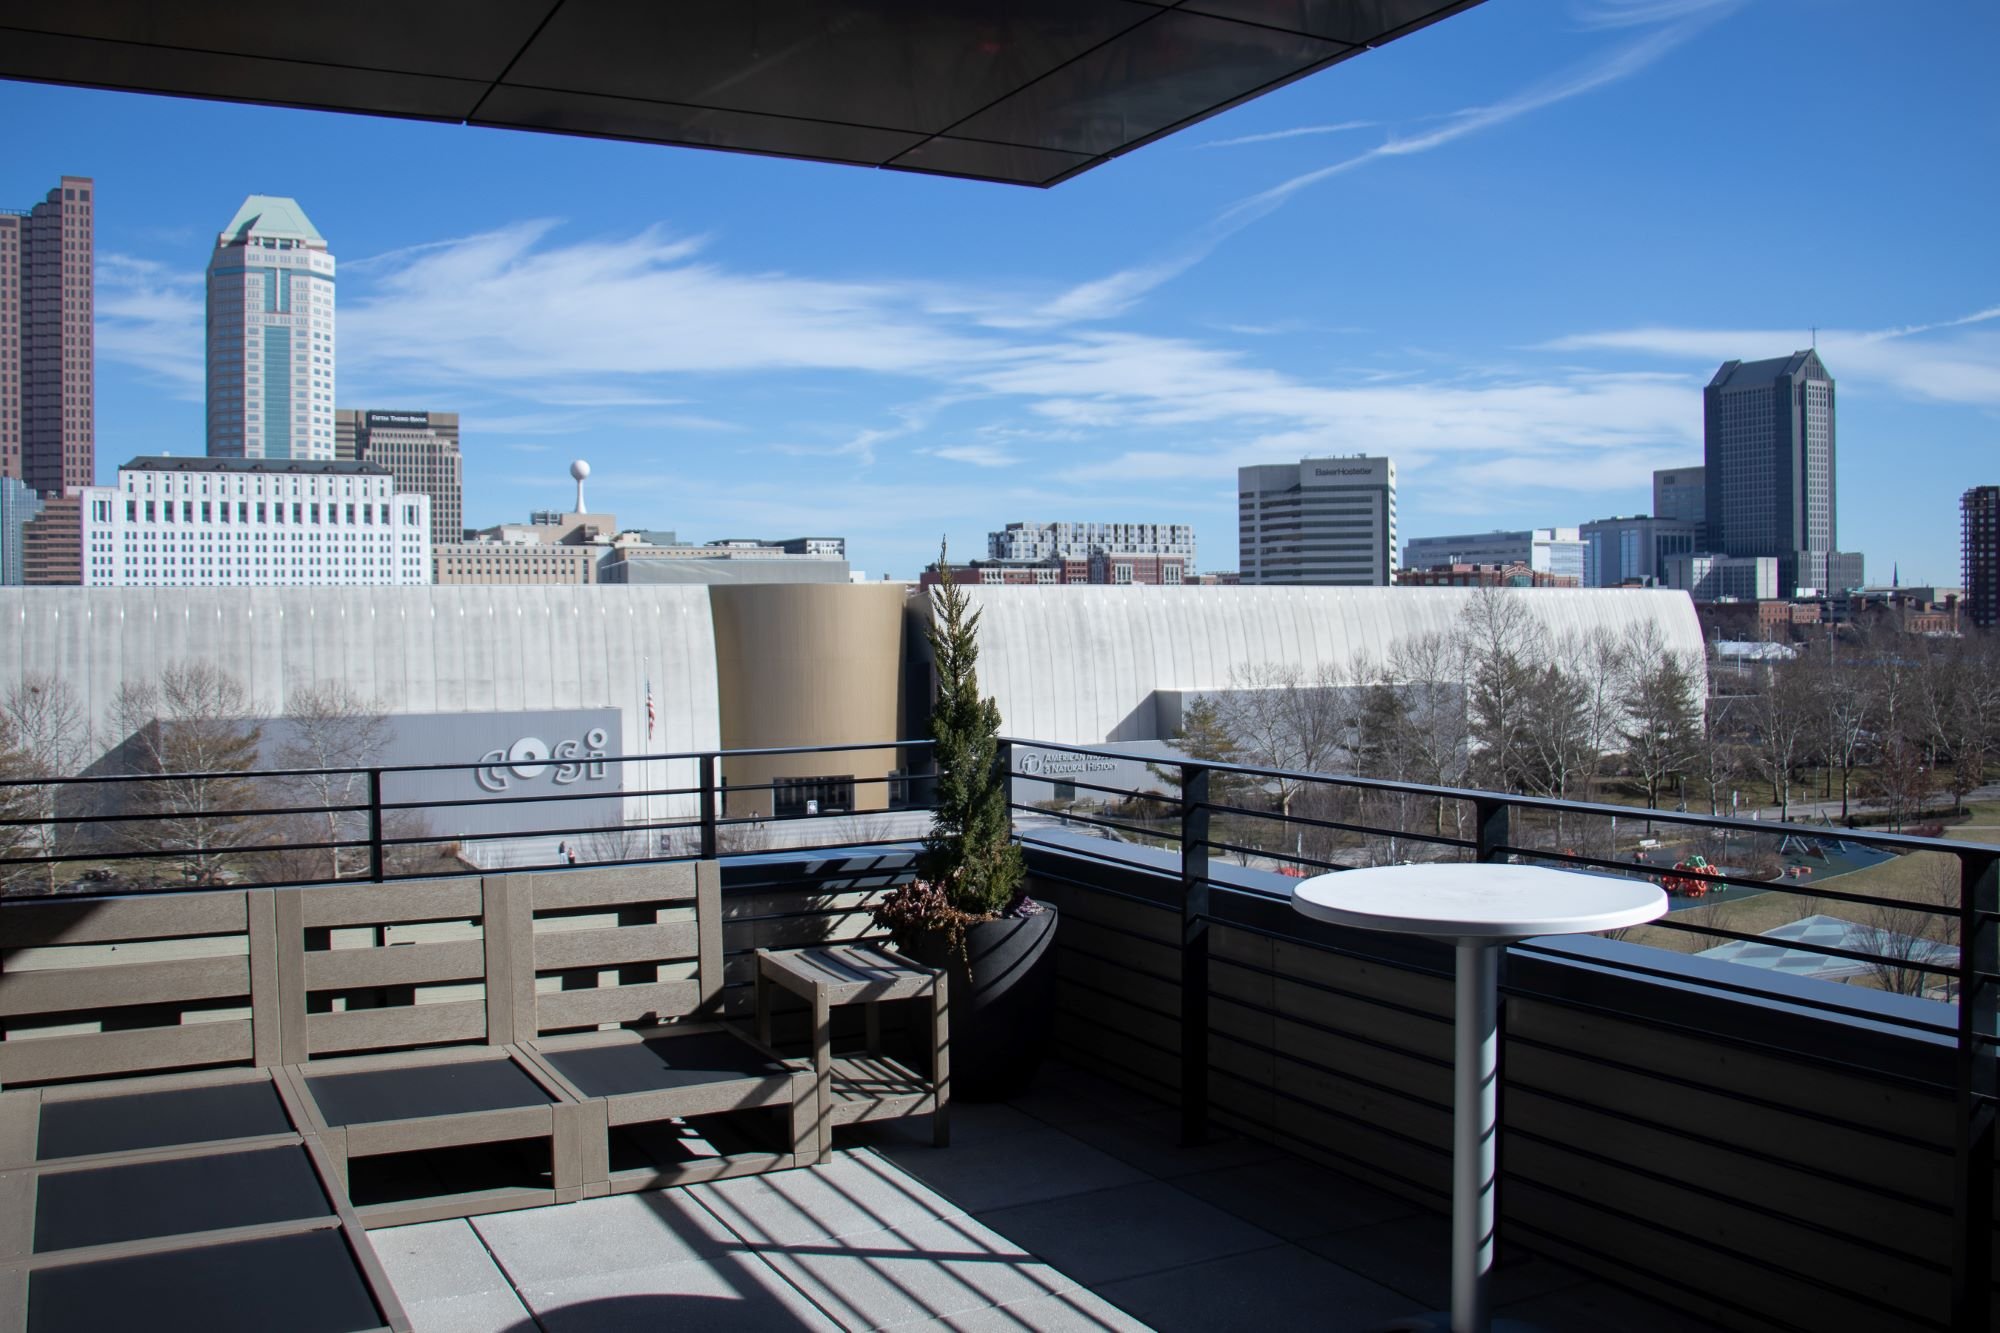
pixel 1003 769
pixel 1978 952
pixel 1490 816
pixel 375 858
pixel 708 825
pixel 1194 953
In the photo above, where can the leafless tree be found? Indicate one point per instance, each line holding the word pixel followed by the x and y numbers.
pixel 1780 719
pixel 336 733
pixel 194 731
pixel 1429 675
pixel 1662 712
pixel 1909 940
pixel 1502 643
pixel 48 736
pixel 1902 779
pixel 1284 718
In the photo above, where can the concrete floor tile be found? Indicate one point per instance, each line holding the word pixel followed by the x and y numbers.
pixel 1115 1233
pixel 929 1270
pixel 857 1191
pixel 437 1261
pixel 1065 1095
pixel 731 1294
pixel 1041 1163
pixel 1295 1199
pixel 1413 1256
pixel 484 1312
pixel 1151 1141
pixel 601 1236
pixel 1280 1288
pixel 973 1125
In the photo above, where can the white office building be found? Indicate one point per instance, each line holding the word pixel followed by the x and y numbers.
pixel 254 523
pixel 1557 551
pixel 1318 521
pixel 270 335
pixel 1079 541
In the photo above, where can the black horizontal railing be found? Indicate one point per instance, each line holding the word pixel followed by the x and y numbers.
pixel 1363 820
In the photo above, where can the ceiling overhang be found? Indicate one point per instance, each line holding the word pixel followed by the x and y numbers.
pixel 1029 92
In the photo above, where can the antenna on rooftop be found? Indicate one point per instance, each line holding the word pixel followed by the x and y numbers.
pixel 1815 337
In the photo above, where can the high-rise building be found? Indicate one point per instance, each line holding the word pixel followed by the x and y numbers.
pixel 1714 578
pixel 1682 493
pixel 1317 521
pixel 47 404
pixel 1557 551
pixel 421 451
pixel 247 522
pixel 1635 550
pixel 270 335
pixel 52 543
pixel 1079 541
pixel 1768 451
pixel 1979 518
pixel 18 504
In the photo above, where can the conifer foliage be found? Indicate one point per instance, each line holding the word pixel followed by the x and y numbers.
pixel 969 853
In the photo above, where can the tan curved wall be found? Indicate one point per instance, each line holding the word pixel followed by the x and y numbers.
pixel 809 664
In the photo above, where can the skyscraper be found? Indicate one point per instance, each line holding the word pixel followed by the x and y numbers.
pixel 1318 521
pixel 420 449
pixel 1768 451
pixel 1979 513
pixel 270 335
pixel 1682 493
pixel 47 406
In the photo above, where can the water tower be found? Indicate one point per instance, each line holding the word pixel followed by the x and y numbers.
pixel 579 469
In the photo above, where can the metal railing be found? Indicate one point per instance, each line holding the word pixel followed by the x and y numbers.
pixel 1356 820
pixel 180 831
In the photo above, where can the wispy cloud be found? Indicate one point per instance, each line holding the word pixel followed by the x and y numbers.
pixel 1949 360
pixel 150 316
pixel 978 455
pixel 1674 22
pixel 1296 132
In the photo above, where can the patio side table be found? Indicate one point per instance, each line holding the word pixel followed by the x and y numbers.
pixel 868 1084
pixel 1481 909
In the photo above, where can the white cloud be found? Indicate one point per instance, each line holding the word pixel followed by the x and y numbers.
pixel 978 455
pixel 1296 132
pixel 1951 360
pixel 150 317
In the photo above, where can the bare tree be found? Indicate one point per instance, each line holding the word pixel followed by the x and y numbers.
pixel 1429 671
pixel 336 733
pixel 1285 719
pixel 1907 941
pixel 1501 642
pixel 1662 719
pixel 48 737
pixel 1903 780
pixel 192 730
pixel 1781 735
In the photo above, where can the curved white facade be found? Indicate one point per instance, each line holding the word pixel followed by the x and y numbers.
pixel 417 650
pixel 1080 664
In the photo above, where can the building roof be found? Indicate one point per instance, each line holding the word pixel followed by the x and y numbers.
pixel 1771 368
pixel 1030 94
pixel 198 463
pixel 271 215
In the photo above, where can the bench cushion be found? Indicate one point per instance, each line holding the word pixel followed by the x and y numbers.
pixel 662 1062
pixel 175 1196
pixel 309 1283
pixel 420 1092
pixel 159 1120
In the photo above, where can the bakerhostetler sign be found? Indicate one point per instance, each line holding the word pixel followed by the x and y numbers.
pixel 509 758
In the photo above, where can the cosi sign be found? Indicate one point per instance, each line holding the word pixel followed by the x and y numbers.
pixel 531 758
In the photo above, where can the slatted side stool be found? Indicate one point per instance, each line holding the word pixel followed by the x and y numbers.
pixel 869 1084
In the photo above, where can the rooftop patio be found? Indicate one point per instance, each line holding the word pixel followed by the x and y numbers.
pixel 1070 1208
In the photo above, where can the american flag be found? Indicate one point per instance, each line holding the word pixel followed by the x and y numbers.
pixel 650 716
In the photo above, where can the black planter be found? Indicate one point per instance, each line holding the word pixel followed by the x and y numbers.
pixel 1002 1005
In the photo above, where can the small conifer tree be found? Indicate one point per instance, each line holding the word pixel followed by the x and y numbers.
pixel 969 852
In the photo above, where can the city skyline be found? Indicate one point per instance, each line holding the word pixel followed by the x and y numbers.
pixel 1524 325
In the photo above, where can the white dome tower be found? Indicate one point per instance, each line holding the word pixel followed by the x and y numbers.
pixel 579 469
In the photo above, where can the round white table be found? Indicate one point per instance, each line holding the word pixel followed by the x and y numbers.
pixel 1481 908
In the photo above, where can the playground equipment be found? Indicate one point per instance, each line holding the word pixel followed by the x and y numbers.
pixel 1681 883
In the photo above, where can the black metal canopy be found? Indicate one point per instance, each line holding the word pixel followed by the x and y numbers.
pixel 1029 92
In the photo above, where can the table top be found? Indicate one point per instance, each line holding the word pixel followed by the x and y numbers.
pixel 849 972
pixel 1478 901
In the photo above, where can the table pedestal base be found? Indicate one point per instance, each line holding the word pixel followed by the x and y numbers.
pixel 1439 1321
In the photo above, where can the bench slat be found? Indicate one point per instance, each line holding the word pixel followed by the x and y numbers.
pixel 377 904
pixel 395 965
pixel 610 887
pixel 167 916
pixel 88 1054
pixel 559 949
pixel 615 1004
pixel 401 1025
pixel 66 989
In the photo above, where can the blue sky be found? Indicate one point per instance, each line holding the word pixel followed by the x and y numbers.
pixel 1506 251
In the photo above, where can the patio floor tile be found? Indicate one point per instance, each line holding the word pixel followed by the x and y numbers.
pixel 1036 1164
pixel 1280 1288
pixel 730 1294
pixel 600 1236
pixel 855 1192
pixel 1123 1232
pixel 1295 1199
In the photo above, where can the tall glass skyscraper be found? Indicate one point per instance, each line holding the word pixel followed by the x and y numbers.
pixel 1768 450
pixel 47 406
pixel 270 335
